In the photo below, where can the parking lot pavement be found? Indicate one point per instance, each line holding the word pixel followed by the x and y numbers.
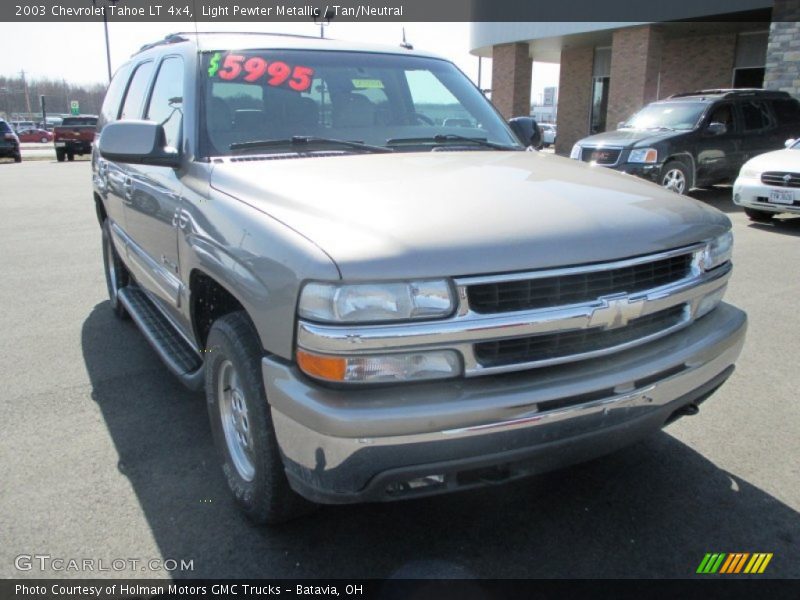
pixel 106 456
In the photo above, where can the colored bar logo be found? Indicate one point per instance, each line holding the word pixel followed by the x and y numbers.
pixel 734 563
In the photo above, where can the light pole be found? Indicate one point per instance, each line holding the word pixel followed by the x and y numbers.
pixel 105 28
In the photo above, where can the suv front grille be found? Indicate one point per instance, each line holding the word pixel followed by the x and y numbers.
pixel 781 179
pixel 601 156
pixel 574 343
pixel 529 294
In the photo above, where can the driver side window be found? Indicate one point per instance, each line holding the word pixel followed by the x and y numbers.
pixel 723 114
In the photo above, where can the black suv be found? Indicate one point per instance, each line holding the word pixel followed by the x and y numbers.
pixel 696 139
pixel 9 142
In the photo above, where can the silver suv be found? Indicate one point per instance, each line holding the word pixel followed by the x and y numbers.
pixel 381 292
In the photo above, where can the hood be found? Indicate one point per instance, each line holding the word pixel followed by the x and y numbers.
pixel 779 160
pixel 390 216
pixel 629 137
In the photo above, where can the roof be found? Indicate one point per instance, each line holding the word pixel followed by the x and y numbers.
pixel 259 40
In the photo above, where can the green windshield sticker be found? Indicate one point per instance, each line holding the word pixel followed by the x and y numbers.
pixel 368 84
pixel 213 66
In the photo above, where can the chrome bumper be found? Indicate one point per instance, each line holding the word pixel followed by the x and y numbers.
pixel 747 191
pixel 351 445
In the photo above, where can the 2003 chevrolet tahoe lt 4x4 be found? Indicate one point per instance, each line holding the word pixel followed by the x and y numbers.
pixel 383 295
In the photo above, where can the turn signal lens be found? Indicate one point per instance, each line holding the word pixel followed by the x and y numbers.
pixel 381 368
pixel 330 368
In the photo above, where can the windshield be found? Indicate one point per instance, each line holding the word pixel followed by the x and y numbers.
pixel 373 99
pixel 667 115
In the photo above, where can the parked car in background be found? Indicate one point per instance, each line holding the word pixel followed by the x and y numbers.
pixel 527 131
pixel 35 135
pixel 20 125
pixel 74 136
pixel 769 184
pixel 695 139
pixel 9 142
pixel 548 134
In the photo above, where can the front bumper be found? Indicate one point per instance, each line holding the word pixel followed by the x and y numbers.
pixel 370 444
pixel 650 172
pixel 751 193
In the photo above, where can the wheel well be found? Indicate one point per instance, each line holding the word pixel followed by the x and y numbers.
pixel 100 209
pixel 688 161
pixel 210 301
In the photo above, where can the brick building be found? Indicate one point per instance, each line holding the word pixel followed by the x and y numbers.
pixel 610 70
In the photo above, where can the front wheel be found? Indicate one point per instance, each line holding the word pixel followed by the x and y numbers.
pixel 18 158
pixel 61 154
pixel 759 216
pixel 676 177
pixel 44 140
pixel 242 424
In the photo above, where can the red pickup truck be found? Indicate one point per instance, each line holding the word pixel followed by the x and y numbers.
pixel 74 136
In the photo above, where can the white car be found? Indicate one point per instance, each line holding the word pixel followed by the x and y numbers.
pixel 548 134
pixel 769 184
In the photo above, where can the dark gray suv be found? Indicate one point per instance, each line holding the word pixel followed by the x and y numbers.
pixel 697 138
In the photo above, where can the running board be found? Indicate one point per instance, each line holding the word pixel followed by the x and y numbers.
pixel 179 357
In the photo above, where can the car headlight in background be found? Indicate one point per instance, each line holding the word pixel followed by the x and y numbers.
pixel 750 173
pixel 376 302
pixel 643 155
pixel 381 368
pixel 718 251
pixel 576 152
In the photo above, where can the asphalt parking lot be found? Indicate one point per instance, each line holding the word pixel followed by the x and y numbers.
pixel 106 456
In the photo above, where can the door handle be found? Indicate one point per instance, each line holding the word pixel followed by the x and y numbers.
pixel 127 185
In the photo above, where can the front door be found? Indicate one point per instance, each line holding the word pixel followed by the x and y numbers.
pixel 719 155
pixel 154 195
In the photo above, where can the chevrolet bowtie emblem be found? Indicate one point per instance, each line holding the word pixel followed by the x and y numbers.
pixel 615 312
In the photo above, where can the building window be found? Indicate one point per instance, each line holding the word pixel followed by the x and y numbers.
pixel 600 87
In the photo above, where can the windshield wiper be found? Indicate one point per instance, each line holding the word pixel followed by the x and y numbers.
pixel 443 138
pixel 303 141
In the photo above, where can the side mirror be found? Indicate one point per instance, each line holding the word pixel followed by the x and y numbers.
pixel 716 128
pixel 137 142
pixel 527 131
pixel 789 143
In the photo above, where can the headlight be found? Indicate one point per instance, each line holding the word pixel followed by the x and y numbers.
pixel 718 251
pixel 576 152
pixel 749 173
pixel 643 155
pixel 381 368
pixel 376 302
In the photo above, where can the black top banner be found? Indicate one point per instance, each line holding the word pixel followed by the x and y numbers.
pixel 187 11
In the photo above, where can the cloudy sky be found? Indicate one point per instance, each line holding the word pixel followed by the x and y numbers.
pixel 76 51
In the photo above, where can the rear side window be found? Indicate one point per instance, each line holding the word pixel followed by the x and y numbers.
pixel 111 103
pixel 166 102
pixel 756 115
pixel 787 111
pixel 137 90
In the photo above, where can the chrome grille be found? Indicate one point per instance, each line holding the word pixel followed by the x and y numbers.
pixel 781 179
pixel 573 343
pixel 601 156
pixel 529 294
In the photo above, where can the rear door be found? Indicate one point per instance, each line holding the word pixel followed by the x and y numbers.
pixel 151 207
pixel 760 131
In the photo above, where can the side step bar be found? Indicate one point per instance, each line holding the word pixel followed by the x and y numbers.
pixel 179 357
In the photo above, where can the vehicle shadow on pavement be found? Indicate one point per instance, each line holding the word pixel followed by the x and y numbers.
pixel 652 510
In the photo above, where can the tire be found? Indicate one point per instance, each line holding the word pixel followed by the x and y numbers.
pixel 44 140
pixel 18 158
pixel 70 156
pixel 759 216
pixel 676 176
pixel 242 424
pixel 116 274
pixel 60 155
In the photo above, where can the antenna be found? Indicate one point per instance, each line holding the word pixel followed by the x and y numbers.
pixel 405 44
pixel 324 21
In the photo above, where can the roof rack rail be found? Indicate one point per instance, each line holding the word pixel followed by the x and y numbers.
pixel 180 36
pixel 729 92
